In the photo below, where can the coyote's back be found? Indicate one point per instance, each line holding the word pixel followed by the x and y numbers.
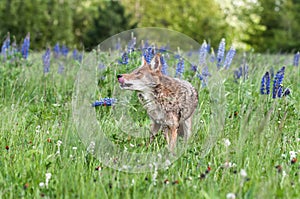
pixel 170 102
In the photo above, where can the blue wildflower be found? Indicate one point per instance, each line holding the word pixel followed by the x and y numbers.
pixel 286 92
pixel 149 54
pixel 212 57
pixel 124 60
pixel 277 83
pixel 46 60
pixel 194 67
pixel 229 57
pixel 180 68
pixel 164 64
pixel 61 68
pixel 204 76
pixel 202 54
pixel 296 59
pixel 104 102
pixel 221 53
pixel 131 44
pixel 64 50
pixel 265 84
pixel 163 49
pixel 76 56
pixel 5 46
pixel 238 73
pixel 25 46
pixel 56 50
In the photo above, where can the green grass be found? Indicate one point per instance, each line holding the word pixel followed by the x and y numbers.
pixel 36 113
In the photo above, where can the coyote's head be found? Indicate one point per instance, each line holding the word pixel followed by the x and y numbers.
pixel 143 78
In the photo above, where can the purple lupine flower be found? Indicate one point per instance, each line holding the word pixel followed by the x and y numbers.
pixel 131 44
pixel 202 54
pixel 221 52
pixel 277 83
pixel 208 48
pixel 61 68
pixel 25 46
pixel 296 59
pixel 101 66
pixel 238 73
pixel 229 56
pixel 5 45
pixel 76 56
pixel 205 72
pixel 265 84
pixel 164 64
pixel 194 67
pixel 286 92
pixel 180 68
pixel 149 54
pixel 46 60
pixel 124 60
pixel 163 49
pixel 204 76
pixel 268 83
pixel 104 102
pixel 64 50
pixel 56 50
pixel 212 57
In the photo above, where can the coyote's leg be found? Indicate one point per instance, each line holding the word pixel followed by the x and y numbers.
pixel 173 138
pixel 187 128
pixel 154 130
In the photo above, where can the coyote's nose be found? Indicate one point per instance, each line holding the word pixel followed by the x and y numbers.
pixel 120 79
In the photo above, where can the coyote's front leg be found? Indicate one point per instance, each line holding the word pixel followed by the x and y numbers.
pixel 155 127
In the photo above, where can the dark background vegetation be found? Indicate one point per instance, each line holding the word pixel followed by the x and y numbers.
pixel 262 25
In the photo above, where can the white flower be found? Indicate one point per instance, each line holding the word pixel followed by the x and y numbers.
pixel 38 129
pixel 91 147
pixel 283 174
pixel 74 148
pixel 243 173
pixel 168 163
pixel 131 145
pixel 48 176
pixel 41 184
pixel 227 142
pixel 292 155
pixel 229 165
pixel 59 142
pixel 230 196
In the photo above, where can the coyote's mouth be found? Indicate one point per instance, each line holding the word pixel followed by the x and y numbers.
pixel 124 85
pixel 121 80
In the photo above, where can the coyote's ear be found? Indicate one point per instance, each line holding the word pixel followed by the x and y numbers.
pixel 155 63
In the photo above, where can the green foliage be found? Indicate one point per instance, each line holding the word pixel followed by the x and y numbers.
pixel 281 26
pixel 47 21
pixel 197 19
pixel 110 20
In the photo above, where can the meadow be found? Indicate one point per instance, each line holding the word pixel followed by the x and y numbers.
pixel 252 154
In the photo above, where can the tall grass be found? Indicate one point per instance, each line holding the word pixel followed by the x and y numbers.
pixel 36 111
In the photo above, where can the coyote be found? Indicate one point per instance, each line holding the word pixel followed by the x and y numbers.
pixel 170 102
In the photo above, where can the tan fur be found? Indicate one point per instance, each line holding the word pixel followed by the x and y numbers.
pixel 170 102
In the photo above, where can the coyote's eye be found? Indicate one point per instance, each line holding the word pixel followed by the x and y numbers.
pixel 138 73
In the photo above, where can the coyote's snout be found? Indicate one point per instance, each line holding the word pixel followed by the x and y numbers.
pixel 170 102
